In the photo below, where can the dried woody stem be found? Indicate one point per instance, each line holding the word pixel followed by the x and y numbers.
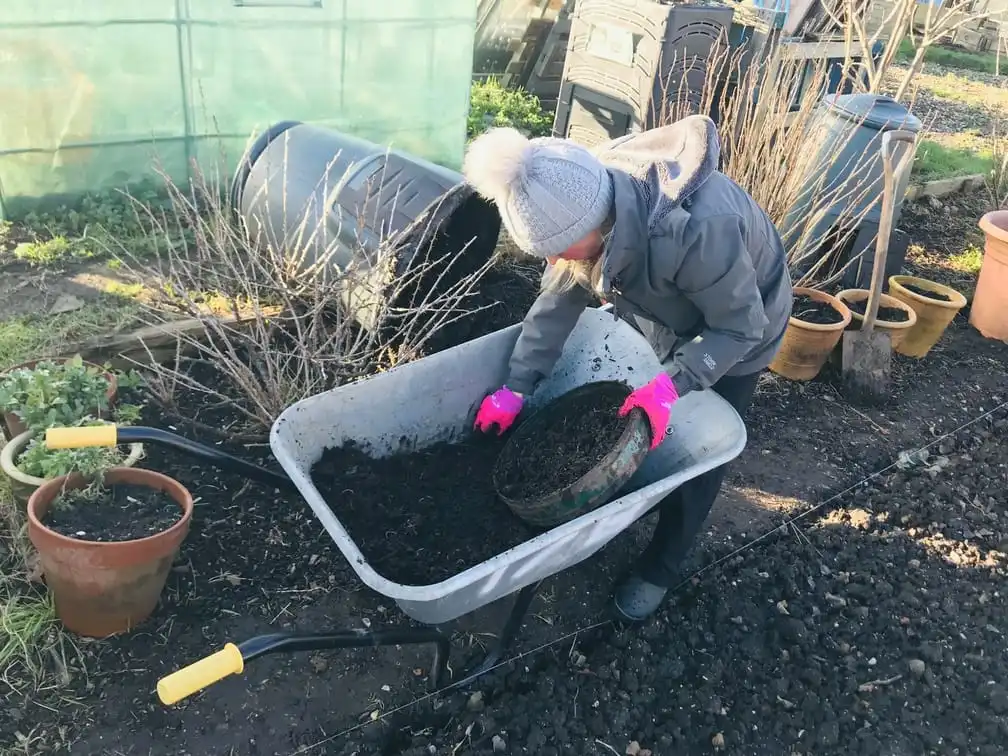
pixel 898 22
pixel 771 148
pixel 290 331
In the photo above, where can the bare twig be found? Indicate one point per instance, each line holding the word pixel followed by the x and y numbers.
pixel 872 685
pixel 607 746
pixel 295 314
pixel 779 148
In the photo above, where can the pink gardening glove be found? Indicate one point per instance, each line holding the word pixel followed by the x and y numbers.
pixel 499 408
pixel 656 399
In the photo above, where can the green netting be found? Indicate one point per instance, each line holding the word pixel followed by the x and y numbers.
pixel 94 91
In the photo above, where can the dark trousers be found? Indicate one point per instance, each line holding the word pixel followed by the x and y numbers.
pixel 682 513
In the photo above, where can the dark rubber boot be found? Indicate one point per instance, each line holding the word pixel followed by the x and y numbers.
pixel 636 599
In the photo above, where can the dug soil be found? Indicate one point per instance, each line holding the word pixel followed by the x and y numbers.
pixel 873 624
pixel 120 512
pixel 813 311
pixel 562 442
pixel 885 314
pixel 927 293
pixel 420 517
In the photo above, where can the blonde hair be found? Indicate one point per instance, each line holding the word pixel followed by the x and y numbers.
pixel 564 275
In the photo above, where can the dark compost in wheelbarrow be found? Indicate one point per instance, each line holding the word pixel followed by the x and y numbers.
pixel 420 517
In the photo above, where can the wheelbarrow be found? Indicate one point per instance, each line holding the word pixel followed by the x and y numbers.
pixel 435 399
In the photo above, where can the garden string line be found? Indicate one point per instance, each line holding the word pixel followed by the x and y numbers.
pixel 721 560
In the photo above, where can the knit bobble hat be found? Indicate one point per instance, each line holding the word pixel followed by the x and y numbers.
pixel 550 192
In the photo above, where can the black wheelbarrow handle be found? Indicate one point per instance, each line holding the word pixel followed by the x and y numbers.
pixel 231 659
pixel 113 435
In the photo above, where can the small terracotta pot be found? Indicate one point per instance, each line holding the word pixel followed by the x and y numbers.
pixel 13 424
pixel 933 315
pixel 104 588
pixel 897 331
pixel 24 485
pixel 807 346
pixel 989 310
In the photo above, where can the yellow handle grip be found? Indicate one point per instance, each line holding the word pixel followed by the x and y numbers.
pixel 79 438
pixel 200 675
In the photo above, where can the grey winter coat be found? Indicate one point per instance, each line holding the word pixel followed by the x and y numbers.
pixel 692 261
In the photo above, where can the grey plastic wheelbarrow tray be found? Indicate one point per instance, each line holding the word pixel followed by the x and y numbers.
pixel 435 398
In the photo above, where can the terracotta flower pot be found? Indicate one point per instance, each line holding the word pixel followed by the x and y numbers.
pixel 24 485
pixel 989 311
pixel 897 330
pixel 933 315
pixel 807 346
pixel 13 424
pixel 103 588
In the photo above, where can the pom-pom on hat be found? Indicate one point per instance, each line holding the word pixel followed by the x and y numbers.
pixel 550 192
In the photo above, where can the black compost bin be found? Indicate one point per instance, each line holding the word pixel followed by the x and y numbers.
pixel 328 196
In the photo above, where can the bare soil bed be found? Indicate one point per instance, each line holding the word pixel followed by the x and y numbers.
pixel 875 624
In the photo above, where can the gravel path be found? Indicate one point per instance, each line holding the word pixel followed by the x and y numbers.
pixel 952 101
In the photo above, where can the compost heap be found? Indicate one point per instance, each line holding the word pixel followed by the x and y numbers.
pixel 422 516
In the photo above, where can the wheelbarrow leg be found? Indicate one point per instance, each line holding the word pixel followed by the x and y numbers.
pixel 510 630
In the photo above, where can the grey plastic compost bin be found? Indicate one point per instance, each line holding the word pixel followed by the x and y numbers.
pixel 334 197
pixel 848 152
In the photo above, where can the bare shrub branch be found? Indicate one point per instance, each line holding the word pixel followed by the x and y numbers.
pixel 278 319
pixel 997 179
pixel 773 148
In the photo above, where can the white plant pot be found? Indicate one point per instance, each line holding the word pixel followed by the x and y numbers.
pixel 22 484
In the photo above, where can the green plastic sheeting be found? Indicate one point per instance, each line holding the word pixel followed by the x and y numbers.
pixel 96 93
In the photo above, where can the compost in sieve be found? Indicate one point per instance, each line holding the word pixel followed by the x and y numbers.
pixel 576 433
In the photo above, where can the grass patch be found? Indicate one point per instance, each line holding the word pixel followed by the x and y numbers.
pixel 967 261
pixel 938 161
pixel 88 228
pixel 985 62
pixel 28 627
pixel 33 336
pixel 58 249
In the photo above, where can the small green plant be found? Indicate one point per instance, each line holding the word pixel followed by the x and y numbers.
pixel 93 227
pixel 51 251
pixel 40 461
pixel 491 104
pixel 969 260
pixel 54 393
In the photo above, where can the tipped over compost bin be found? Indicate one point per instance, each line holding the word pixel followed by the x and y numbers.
pixel 317 195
